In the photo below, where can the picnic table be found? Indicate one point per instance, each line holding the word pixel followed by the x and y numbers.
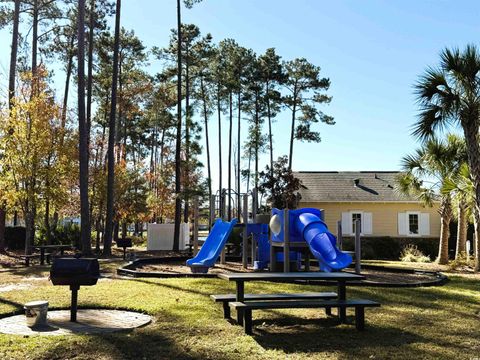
pixel 245 303
pixel 54 248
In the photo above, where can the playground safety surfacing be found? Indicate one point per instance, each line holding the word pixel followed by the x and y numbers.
pixel 89 321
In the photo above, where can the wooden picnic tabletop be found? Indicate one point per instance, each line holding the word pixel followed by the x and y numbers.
pixel 280 276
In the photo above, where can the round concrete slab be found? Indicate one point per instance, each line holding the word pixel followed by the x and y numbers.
pixel 89 321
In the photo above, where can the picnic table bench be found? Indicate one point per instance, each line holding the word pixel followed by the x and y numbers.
pixel 227 299
pixel 53 249
pixel 244 304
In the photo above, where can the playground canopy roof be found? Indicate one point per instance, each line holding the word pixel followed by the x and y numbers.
pixel 350 186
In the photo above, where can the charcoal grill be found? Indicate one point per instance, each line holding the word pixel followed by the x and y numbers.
pixel 74 272
pixel 124 243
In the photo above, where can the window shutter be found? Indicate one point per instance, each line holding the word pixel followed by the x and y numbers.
pixel 367 223
pixel 402 224
pixel 346 223
pixel 424 224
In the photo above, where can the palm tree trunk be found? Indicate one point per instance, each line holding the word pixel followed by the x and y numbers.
pixel 445 217
pixel 178 146
pixel 461 230
pixel 470 130
pixel 107 245
pixel 476 242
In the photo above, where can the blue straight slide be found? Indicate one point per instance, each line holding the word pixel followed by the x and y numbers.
pixel 212 247
pixel 322 243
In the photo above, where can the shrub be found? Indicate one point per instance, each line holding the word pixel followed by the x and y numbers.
pixel 410 253
pixel 15 237
pixel 460 263
pixel 390 248
pixel 68 234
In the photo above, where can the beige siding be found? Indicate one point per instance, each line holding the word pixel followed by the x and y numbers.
pixel 384 215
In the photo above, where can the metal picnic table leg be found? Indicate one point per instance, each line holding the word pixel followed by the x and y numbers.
pixel 240 296
pixel 342 294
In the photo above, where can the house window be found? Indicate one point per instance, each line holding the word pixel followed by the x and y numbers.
pixel 413 224
pixel 356 216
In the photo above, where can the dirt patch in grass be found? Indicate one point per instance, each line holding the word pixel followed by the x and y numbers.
pixel 391 277
pixel 179 267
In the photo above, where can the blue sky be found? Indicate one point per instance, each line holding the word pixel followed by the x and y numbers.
pixel 372 50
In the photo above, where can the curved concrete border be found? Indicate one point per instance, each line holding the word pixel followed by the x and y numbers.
pixel 437 278
pixel 131 268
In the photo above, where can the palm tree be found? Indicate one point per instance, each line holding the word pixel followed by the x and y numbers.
pixel 450 95
pixel 461 185
pixel 425 172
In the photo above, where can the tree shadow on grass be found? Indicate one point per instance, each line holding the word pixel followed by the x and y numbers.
pixel 154 341
pixel 294 335
pixel 18 307
pixel 170 286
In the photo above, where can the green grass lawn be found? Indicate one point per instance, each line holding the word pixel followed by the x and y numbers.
pixel 417 323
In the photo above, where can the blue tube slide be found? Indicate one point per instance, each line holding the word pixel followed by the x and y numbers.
pixel 212 247
pixel 322 243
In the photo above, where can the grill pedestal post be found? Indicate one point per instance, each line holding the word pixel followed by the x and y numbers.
pixel 73 308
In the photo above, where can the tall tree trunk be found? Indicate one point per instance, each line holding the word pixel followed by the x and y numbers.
pixel 220 192
pixel 461 229
pixel 83 135
pixel 292 130
pixel 476 235
pixel 28 231
pixel 230 145
pixel 249 166
pixel 13 55
pixel 270 137
pixel 186 174
pixel 257 139
pixel 207 141
pixel 67 89
pixel 2 230
pixel 107 246
pixel 178 145
pixel 239 203
pixel 470 130
pixel 35 37
pixel 91 29
pixel 118 133
pixel 11 95
pixel 445 217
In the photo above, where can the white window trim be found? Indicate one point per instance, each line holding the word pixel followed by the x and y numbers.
pixel 361 220
pixel 409 234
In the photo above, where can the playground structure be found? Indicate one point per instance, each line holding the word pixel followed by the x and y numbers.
pixel 294 236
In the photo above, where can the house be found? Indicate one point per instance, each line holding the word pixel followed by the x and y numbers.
pixel 368 196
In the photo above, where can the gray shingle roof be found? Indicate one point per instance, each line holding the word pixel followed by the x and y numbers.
pixel 346 186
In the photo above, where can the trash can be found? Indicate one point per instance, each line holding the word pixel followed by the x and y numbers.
pixel 36 313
